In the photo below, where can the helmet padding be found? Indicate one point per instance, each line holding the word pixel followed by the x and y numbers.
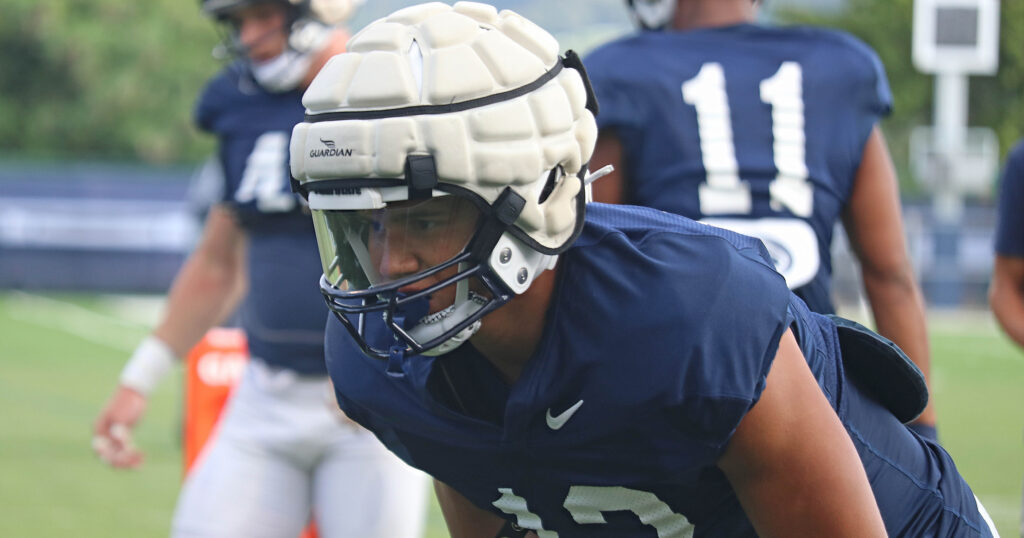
pixel 483 92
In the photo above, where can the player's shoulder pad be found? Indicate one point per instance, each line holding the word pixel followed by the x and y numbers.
pixel 1012 174
pixel 851 49
pixel 220 92
pixel 606 57
pixel 691 250
pixel 614 46
pixel 1016 153
pixel 743 245
pixel 859 65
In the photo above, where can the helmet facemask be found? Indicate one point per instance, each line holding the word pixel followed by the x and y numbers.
pixel 441 117
pixel 432 267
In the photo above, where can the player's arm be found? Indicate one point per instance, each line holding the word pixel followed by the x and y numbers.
pixel 209 285
pixel 792 464
pixel 610 189
pixel 1006 295
pixel 874 225
pixel 465 520
pixel 205 291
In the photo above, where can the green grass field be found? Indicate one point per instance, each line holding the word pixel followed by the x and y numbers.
pixel 60 355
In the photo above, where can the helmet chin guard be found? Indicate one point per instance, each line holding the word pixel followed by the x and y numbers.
pixel 434 109
pixel 283 73
pixel 439 325
pixel 653 14
pixel 310 24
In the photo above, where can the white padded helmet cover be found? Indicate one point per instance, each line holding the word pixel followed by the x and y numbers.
pixel 436 54
pixel 333 11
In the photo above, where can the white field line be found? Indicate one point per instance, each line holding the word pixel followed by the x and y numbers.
pixel 96 327
pixel 143 310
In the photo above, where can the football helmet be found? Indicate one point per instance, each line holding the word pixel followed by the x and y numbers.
pixel 653 14
pixel 309 24
pixel 443 158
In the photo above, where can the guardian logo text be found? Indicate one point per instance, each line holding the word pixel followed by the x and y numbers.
pixel 330 149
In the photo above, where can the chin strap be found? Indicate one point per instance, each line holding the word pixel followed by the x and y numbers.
pixel 591 177
pixel 600 173
pixel 503 214
pixel 396 358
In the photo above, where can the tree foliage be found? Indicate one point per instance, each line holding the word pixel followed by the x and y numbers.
pixel 110 79
pixel 996 101
pixel 104 79
pixel 117 79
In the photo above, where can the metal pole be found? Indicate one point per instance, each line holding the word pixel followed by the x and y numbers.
pixel 950 116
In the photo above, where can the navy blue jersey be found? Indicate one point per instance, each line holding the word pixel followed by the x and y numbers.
pixel 658 341
pixel 756 129
pixel 284 316
pixel 1010 227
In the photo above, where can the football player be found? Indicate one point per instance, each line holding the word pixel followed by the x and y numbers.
pixel 573 369
pixel 771 132
pixel 1006 293
pixel 283 448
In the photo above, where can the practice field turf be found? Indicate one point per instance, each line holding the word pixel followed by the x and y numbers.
pixel 59 358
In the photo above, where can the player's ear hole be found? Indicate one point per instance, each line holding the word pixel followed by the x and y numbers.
pixel 549 185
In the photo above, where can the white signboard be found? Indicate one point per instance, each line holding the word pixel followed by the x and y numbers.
pixel 956 36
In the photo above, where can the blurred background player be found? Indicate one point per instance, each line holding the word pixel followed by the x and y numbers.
pixel 284 452
pixel 1006 293
pixel 771 132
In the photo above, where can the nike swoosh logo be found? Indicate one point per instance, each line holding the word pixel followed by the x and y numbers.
pixel 556 422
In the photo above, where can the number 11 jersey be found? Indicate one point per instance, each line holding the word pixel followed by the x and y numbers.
pixel 752 128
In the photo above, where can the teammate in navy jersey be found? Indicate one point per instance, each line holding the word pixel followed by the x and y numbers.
pixel 283 453
pixel 581 370
pixel 771 132
pixel 1006 293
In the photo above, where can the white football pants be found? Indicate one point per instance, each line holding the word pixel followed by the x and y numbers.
pixel 283 452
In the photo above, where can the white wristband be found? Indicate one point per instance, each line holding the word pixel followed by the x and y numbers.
pixel 148 365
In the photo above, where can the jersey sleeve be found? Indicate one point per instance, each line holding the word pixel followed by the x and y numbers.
pixel 741 317
pixel 216 97
pixel 208 110
pixel 872 92
pixel 860 96
pixel 620 106
pixel 205 111
pixel 1010 226
pixel 877 94
pixel 868 83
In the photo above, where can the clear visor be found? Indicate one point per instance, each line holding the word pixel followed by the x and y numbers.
pixel 377 247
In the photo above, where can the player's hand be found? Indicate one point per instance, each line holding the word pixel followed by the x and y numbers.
pixel 112 432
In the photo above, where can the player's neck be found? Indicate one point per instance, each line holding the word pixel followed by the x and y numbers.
pixel 335 46
pixel 509 336
pixel 697 14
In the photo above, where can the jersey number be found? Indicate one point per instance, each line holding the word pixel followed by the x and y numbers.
pixel 723 192
pixel 265 179
pixel 587 505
